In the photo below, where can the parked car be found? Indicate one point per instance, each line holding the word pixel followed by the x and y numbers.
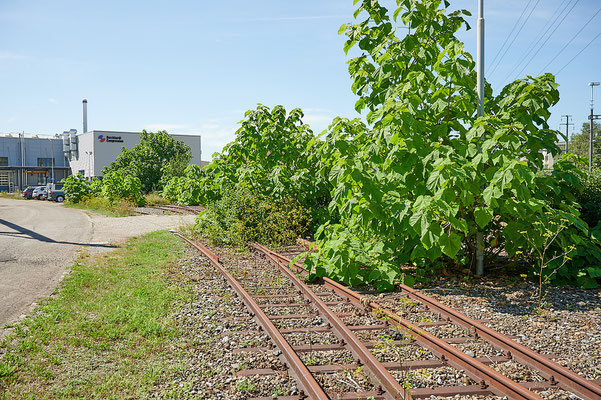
pixel 53 186
pixel 40 193
pixel 56 195
pixel 28 192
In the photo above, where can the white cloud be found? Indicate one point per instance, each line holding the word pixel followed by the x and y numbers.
pixel 317 119
pixel 214 138
pixel 52 100
pixel 6 55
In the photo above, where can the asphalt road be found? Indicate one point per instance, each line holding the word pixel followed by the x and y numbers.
pixel 39 240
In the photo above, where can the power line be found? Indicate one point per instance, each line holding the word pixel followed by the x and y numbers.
pixel 547 39
pixel 568 43
pixel 515 37
pixel 556 14
pixel 573 58
pixel 511 32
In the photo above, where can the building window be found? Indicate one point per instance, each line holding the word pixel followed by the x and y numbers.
pixel 42 179
pixel 45 162
pixel 3 161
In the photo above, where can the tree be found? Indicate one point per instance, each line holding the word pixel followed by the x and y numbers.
pixel 417 183
pixel 579 143
pixel 154 160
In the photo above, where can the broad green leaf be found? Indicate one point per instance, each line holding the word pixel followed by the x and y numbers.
pixel 483 215
pixel 450 244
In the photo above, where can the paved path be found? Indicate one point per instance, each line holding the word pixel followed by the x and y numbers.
pixel 39 241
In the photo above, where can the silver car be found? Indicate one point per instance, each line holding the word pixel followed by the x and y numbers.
pixel 39 193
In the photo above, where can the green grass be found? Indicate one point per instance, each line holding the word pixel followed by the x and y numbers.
pixel 106 334
pixel 13 195
pixel 122 208
pixel 155 198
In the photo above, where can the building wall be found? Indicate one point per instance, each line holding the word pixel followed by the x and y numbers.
pixel 105 146
pixel 36 167
pixel 84 163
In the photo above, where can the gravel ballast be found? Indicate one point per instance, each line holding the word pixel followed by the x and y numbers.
pixel 567 329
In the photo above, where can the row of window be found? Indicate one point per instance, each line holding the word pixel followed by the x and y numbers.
pixel 42 162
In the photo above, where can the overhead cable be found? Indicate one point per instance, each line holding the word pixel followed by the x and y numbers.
pixel 515 37
pixel 511 32
pixel 556 14
pixel 568 43
pixel 546 40
pixel 580 52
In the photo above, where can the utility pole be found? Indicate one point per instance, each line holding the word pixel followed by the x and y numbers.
pixel 591 118
pixel 480 89
pixel 567 124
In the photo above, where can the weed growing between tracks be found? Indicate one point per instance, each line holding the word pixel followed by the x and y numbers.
pixel 107 332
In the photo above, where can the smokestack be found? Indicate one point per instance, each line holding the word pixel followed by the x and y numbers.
pixel 85 115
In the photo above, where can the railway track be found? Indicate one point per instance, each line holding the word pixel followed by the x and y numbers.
pixel 176 208
pixel 363 332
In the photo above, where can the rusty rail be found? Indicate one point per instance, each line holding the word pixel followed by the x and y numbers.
pixel 488 377
pixel 305 379
pixel 180 209
pixel 552 371
pixel 378 372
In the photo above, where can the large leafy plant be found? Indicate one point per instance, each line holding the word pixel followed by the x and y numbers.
pixel 417 183
pixel 156 159
pixel 269 157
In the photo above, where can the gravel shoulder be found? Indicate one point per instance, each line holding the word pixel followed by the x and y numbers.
pixel 567 328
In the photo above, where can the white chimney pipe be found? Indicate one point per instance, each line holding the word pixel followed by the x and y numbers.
pixel 85 115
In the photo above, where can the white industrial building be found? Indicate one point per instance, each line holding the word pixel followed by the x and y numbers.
pixel 88 153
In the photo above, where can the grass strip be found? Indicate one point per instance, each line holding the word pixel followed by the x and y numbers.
pixel 106 333
pixel 118 208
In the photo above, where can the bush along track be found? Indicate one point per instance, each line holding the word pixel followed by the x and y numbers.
pixel 409 190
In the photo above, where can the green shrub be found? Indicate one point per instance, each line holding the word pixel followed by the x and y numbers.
pixel 153 161
pixel 240 217
pixel 155 198
pixel 590 197
pixel 77 188
pixel 426 176
pixel 119 184
pixel 186 189
pixel 274 154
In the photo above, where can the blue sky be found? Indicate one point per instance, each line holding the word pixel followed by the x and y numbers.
pixel 196 66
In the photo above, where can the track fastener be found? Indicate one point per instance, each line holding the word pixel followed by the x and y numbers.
pixel 483 384
pixel 379 390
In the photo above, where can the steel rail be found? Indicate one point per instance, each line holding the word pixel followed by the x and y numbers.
pixel 389 383
pixel 305 379
pixel 556 373
pixel 175 208
pixel 499 384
